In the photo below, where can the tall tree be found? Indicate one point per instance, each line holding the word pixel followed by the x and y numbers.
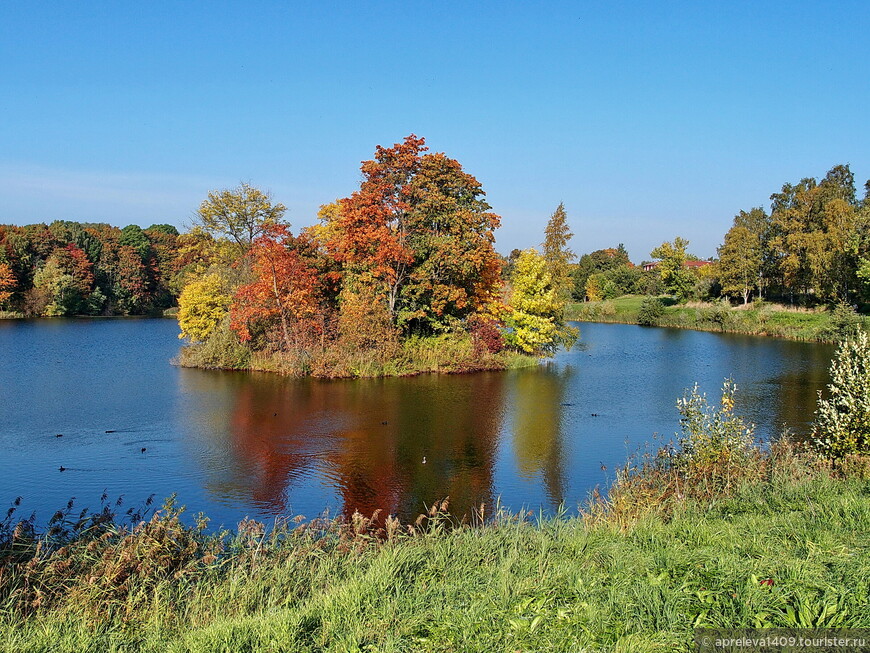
pixel 420 233
pixel 740 260
pixel 536 318
pixel 240 213
pixel 816 237
pixel 456 269
pixel 369 236
pixel 556 252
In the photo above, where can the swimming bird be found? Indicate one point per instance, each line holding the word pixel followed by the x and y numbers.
pixel 144 449
pixel 603 467
pixel 58 435
pixel 62 468
pixel 110 431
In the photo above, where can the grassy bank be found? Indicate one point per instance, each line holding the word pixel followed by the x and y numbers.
pixel 782 543
pixel 452 353
pixel 818 325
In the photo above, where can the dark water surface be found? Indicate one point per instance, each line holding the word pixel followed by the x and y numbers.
pixel 237 444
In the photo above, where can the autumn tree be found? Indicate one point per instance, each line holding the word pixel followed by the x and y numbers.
pixel 7 282
pixel 370 233
pixel 240 214
pixel 284 290
pixel 420 233
pixel 455 270
pixel 816 235
pixel 202 306
pixel 536 313
pixel 62 296
pixel 556 252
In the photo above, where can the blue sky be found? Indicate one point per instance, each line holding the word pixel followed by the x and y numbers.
pixel 647 119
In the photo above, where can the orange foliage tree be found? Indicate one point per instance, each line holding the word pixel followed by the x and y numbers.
pixel 420 232
pixel 7 282
pixel 285 290
pixel 370 232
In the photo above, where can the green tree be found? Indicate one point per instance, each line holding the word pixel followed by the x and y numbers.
pixel 676 278
pixel 61 289
pixel 133 236
pixel 740 261
pixel 600 260
pixel 556 252
pixel 536 320
pixel 240 214
pixel 167 229
pixel 759 224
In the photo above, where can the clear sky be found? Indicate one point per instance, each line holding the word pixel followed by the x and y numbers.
pixel 647 119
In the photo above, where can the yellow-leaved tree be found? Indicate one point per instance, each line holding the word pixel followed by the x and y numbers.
pixel 536 322
pixel 202 306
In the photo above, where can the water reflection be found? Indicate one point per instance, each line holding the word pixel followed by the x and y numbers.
pixel 537 406
pixel 392 444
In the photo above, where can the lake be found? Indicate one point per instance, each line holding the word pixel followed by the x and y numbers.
pixel 234 444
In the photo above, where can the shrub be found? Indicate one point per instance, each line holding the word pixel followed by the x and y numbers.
pixel 651 311
pixel 485 334
pixel 845 323
pixel 222 350
pixel 711 435
pixel 719 315
pixel 842 423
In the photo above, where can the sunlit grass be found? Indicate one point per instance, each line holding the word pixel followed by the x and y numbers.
pixel 785 545
pixel 768 319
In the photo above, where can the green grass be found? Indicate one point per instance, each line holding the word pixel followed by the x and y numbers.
pixel 787 547
pixel 767 320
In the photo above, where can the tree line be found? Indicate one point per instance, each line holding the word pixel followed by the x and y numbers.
pixel 811 247
pixel 410 255
pixel 72 268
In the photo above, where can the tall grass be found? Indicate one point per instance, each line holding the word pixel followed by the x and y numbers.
pixel 814 325
pixel 784 545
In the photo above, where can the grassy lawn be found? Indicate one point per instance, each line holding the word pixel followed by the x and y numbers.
pixel 769 319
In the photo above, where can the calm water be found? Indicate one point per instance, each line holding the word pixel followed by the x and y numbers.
pixel 236 444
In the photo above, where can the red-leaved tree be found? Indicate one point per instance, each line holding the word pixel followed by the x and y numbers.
pixel 371 233
pixel 285 290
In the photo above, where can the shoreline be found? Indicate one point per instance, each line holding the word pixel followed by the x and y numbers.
pixel 768 321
